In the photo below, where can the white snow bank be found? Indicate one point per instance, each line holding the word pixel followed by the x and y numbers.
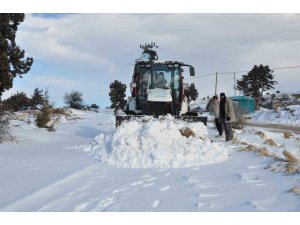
pixel 289 115
pixel 157 143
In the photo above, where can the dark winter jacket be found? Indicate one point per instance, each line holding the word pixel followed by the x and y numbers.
pixel 227 106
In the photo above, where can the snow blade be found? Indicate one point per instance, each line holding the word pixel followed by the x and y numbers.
pixel 194 119
pixel 120 119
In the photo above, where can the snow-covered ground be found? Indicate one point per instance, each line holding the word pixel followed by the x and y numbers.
pixel 289 115
pixel 86 165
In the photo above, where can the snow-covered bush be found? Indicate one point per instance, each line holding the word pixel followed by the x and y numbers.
pixel 4 128
pixel 43 117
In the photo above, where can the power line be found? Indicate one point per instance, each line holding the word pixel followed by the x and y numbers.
pixel 207 75
pixel 287 67
pixel 234 77
pixel 234 72
pixel 184 53
pixel 204 53
pixel 198 76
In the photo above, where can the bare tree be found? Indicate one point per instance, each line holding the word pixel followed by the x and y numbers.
pixel 73 99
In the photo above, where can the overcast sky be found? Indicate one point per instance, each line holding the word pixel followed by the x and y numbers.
pixel 86 52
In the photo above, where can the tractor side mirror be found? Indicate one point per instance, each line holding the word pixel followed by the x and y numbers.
pixel 192 71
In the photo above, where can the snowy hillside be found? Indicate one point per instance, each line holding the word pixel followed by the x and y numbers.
pixel 297 92
pixel 88 165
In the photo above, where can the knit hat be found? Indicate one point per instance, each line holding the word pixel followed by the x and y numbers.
pixel 222 94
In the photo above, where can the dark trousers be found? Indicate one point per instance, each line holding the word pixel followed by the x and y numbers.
pixel 228 129
pixel 218 126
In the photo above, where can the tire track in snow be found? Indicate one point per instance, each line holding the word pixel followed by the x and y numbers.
pixel 44 196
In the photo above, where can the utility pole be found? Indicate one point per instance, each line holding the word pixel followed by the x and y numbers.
pixel 234 84
pixel 216 83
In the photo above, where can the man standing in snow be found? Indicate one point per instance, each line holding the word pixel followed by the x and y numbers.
pixel 226 115
pixel 215 107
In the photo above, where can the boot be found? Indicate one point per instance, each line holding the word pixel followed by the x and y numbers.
pixel 230 136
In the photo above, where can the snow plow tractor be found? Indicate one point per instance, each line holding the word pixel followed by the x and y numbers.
pixel 157 89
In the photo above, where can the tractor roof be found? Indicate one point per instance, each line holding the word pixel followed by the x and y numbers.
pixel 159 62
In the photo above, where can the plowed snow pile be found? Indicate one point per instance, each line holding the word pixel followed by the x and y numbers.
pixel 157 143
pixel 289 115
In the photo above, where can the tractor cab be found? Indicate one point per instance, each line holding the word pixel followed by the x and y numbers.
pixel 157 88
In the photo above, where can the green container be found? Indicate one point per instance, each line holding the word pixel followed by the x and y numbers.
pixel 246 104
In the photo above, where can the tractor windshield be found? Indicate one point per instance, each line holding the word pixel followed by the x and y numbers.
pixel 159 76
pixel 165 76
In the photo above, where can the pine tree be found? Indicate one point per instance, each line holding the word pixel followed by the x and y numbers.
pixel 12 62
pixel 37 97
pixel 258 80
pixel 43 117
pixel 4 125
pixel 94 106
pixel 17 101
pixel 117 95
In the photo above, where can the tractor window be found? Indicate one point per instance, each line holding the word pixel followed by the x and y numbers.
pixel 162 79
pixel 159 76
pixel 176 79
pixel 166 77
pixel 144 82
pixel 146 78
pixel 176 82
